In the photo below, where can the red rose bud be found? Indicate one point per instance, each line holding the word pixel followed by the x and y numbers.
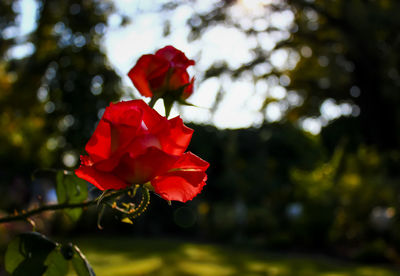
pixel 133 144
pixel 163 75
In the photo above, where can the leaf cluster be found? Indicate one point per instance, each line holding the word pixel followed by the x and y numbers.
pixel 36 255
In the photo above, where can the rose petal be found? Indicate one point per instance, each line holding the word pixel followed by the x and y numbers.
pixel 125 119
pixel 152 120
pixel 179 185
pixel 126 113
pixel 101 180
pixel 143 168
pixel 178 79
pixel 190 161
pixel 175 57
pixel 99 145
pixel 184 181
pixel 148 74
pixel 107 165
pixel 178 137
pixel 142 143
pixel 188 90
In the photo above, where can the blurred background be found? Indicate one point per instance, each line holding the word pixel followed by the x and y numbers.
pixel 298 115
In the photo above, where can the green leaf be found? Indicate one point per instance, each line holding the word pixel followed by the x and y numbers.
pixel 81 264
pixel 71 189
pixel 56 264
pixel 13 257
pixel 184 102
pixel 27 253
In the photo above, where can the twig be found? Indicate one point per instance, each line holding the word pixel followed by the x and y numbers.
pixel 26 214
pixel 23 215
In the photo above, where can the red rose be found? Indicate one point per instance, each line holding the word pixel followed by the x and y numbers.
pixel 163 74
pixel 133 144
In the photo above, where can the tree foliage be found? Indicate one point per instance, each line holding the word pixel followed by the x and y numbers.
pixel 50 98
pixel 345 52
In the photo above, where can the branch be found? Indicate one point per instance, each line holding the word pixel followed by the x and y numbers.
pixel 23 215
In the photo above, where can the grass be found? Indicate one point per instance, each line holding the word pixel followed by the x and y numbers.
pixel 133 257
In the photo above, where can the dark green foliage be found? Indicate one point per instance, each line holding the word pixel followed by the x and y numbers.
pixel 50 99
pixel 27 254
pixel 56 264
pixel 278 187
pixel 36 255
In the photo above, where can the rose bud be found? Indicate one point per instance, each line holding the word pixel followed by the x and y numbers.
pixel 163 75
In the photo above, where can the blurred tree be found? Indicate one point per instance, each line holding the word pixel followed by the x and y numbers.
pixel 341 54
pixel 51 97
pixel 341 67
pixel 354 59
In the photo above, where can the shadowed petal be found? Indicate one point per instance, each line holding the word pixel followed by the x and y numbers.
pixel 143 168
pixel 149 74
pixel 126 113
pixel 99 145
pixel 125 119
pixel 178 79
pixel 101 180
pixel 188 90
pixel 175 57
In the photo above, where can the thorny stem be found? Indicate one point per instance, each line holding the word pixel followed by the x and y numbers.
pixel 24 215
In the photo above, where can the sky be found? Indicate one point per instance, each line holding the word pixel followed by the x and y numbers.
pixel 240 106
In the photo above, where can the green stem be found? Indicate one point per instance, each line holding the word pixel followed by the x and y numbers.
pixel 24 215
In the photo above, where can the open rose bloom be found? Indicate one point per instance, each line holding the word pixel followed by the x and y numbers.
pixel 163 74
pixel 133 144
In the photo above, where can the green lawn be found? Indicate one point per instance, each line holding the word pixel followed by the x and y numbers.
pixel 125 257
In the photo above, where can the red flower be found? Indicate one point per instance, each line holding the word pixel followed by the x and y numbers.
pixel 133 144
pixel 163 74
